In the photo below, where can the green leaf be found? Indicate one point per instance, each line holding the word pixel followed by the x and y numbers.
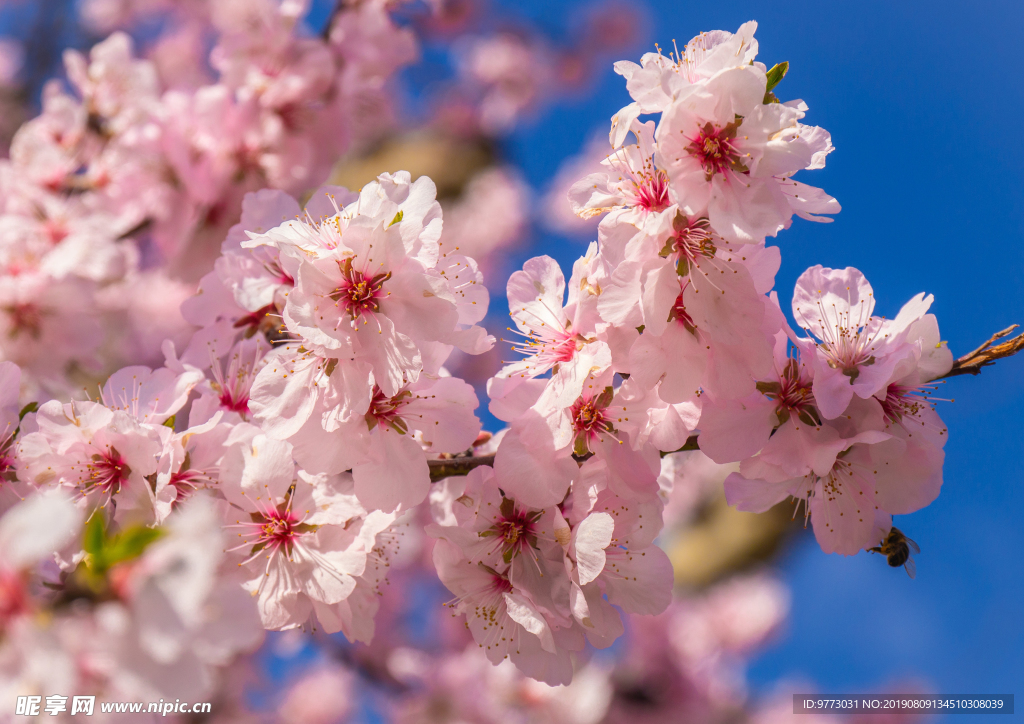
pixel 641 328
pixel 605 398
pixel 580 446
pixel 330 366
pixel 398 217
pixel 30 407
pixel 130 544
pixel 508 508
pixel 169 422
pixel 95 534
pixel 776 74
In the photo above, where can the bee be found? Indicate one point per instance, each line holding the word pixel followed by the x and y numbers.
pixel 897 549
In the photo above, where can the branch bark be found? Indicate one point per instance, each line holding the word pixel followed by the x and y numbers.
pixel 452 467
pixel 970 364
pixel 985 355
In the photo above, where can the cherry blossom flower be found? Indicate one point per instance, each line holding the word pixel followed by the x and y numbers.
pixel 852 474
pixel 376 267
pixel 46 325
pixel 611 553
pixel 658 79
pixel 729 155
pixel 629 186
pixel 558 338
pixel 857 352
pixel 465 684
pixel 10 390
pixel 100 456
pixel 734 429
pixel 504 624
pixel 304 539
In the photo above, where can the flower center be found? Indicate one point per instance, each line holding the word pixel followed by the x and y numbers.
pixel 590 419
pixel 848 351
pixel 13 601
pixel 235 401
pixel 187 481
pixel 107 472
pixel 258 320
pixel 714 148
pixel 358 293
pixel 278 529
pixel 693 240
pixel 55 230
pixel 514 528
pixel 906 401
pixel 384 410
pixel 792 395
pixel 7 461
pixel 652 190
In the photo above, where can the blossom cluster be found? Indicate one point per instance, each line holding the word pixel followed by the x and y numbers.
pixel 289 435
pixel 146 613
pixel 329 327
pixel 670 328
pixel 115 198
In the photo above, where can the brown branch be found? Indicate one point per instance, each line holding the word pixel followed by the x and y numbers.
pixel 452 467
pixel 441 469
pixel 970 364
pixel 985 355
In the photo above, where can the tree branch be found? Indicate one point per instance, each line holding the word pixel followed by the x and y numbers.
pixel 985 355
pixel 970 364
pixel 452 467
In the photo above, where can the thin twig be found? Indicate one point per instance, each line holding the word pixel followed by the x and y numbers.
pixel 452 467
pixel 985 355
pixel 970 364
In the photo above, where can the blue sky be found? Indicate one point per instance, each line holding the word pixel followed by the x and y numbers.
pixel 924 102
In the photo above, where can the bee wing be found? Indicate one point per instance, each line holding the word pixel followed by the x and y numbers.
pixel 911 567
pixel 913 546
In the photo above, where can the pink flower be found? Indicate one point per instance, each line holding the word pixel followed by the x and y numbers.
pixel 10 391
pixel 612 555
pixel 228 370
pixel 151 397
pixel 46 324
pixel 321 697
pixel 708 329
pixel 302 537
pixel 100 456
pixel 729 155
pixel 505 624
pixel 734 429
pixel 371 283
pixel 852 473
pixel 559 338
pixel 659 79
pixel 629 186
pixel 857 353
